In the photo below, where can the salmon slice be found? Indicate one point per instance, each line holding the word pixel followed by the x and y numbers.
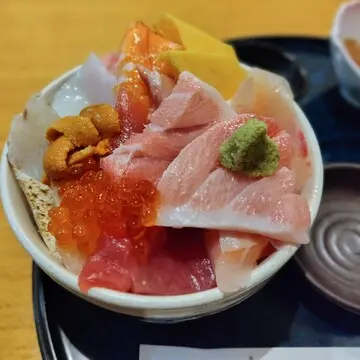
pixel 140 40
pixel 191 103
pixel 140 168
pixel 133 104
pixel 233 256
pixel 164 145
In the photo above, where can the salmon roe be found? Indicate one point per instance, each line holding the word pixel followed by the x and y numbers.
pixel 96 206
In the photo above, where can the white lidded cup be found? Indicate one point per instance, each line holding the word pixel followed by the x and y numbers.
pixel 346 25
pixel 150 308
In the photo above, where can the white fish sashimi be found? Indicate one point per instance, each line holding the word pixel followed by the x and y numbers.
pixel 92 84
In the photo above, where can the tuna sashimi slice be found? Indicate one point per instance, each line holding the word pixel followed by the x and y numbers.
pixel 111 267
pixel 119 165
pixel 191 103
pixel 181 266
pixel 233 256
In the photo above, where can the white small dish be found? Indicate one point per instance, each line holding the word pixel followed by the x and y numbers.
pixel 346 25
pixel 150 308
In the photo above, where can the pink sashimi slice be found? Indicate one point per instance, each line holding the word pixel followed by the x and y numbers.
pixel 218 190
pixel 195 162
pixel 233 256
pixel 267 94
pixel 292 209
pixel 256 209
pixel 112 266
pixel 262 196
pixel 286 149
pixel 159 84
pixel 111 61
pixel 165 145
pixel 182 266
pixel 139 168
pixel 191 103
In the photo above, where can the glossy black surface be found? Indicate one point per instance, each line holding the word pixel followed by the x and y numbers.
pixel 287 312
pixel 331 261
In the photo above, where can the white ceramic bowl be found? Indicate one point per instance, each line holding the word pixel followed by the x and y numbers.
pixel 346 25
pixel 151 308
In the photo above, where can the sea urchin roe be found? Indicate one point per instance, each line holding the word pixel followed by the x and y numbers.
pixel 104 117
pixel 95 205
pixel 74 139
pixel 250 150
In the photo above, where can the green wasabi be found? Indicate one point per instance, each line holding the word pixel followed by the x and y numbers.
pixel 249 150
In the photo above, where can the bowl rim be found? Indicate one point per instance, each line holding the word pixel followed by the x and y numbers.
pixel 134 301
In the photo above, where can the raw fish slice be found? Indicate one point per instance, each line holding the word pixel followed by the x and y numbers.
pixel 267 94
pixel 273 128
pixel 112 266
pixel 181 266
pixel 259 209
pixel 302 169
pixel 220 188
pixel 262 196
pixel 133 104
pixel 92 84
pixel 292 209
pixel 191 103
pixel 233 268
pixel 195 162
pixel 231 241
pixel 159 84
pixel 270 95
pixel 139 168
pixel 111 62
pixel 161 145
pixel 283 140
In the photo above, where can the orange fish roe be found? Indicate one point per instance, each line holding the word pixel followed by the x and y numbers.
pixel 95 206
